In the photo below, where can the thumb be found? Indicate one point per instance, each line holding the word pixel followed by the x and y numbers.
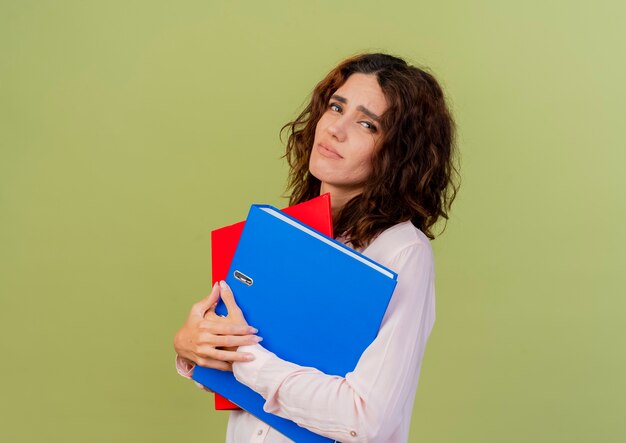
pixel 200 308
pixel 229 299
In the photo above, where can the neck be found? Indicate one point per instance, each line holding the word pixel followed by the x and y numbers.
pixel 338 197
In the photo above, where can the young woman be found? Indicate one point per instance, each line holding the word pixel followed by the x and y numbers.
pixel 379 137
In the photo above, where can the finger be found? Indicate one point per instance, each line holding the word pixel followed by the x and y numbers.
pixel 228 356
pixel 234 317
pixel 216 364
pixel 233 341
pixel 233 356
pixel 212 316
pixel 205 304
pixel 229 299
pixel 220 326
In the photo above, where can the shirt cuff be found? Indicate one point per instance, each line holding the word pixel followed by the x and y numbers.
pixel 248 372
pixel 184 367
pixel 265 373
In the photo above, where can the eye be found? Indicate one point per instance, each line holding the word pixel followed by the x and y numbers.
pixel 335 107
pixel 368 125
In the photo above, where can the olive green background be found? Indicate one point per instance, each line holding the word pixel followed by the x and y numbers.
pixel 130 129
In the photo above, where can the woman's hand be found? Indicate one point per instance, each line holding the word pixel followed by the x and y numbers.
pixel 209 340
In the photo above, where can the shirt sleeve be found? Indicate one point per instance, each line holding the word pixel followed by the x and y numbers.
pixel 369 403
pixel 185 367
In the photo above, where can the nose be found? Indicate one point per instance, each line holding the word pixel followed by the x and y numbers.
pixel 337 129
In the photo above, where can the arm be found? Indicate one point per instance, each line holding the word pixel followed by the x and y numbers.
pixel 369 403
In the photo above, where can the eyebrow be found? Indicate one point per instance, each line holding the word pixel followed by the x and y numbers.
pixel 360 108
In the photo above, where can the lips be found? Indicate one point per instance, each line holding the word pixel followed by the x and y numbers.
pixel 328 151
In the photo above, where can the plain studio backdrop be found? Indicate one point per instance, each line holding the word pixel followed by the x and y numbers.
pixel 130 129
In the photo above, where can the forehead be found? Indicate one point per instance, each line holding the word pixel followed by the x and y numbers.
pixel 364 90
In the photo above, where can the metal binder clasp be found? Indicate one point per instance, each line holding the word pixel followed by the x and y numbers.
pixel 243 278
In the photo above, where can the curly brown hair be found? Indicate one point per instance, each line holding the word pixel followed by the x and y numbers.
pixel 414 173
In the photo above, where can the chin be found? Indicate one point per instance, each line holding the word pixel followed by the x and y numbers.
pixel 320 173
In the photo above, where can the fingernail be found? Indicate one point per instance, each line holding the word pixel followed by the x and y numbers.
pixel 224 285
pixel 249 357
pixel 258 339
pixel 253 330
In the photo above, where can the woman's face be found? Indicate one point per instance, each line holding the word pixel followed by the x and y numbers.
pixel 347 135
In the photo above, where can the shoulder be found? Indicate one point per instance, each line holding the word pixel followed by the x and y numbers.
pixel 397 243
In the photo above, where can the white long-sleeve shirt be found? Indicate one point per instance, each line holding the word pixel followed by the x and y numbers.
pixel 374 402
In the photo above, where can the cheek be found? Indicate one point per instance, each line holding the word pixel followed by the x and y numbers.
pixel 367 155
pixel 359 169
pixel 365 168
pixel 321 124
